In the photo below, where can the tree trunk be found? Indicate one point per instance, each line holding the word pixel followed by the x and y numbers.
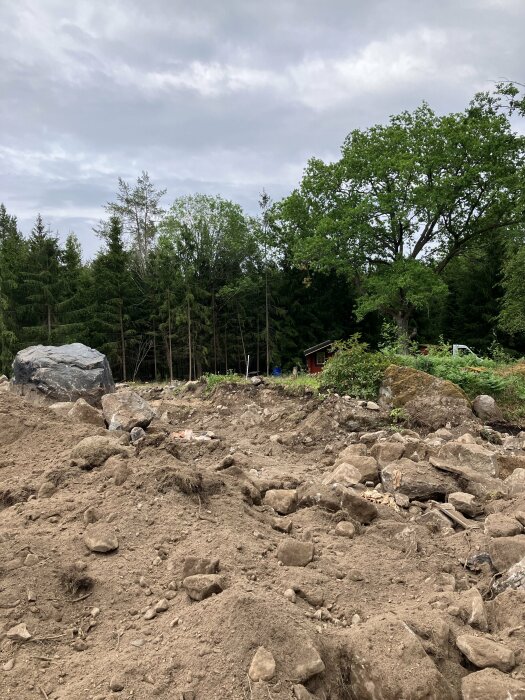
pixel 214 321
pixel 49 324
pixel 123 342
pixel 402 319
pixel 189 341
pixel 170 352
pixel 267 325
pixel 155 353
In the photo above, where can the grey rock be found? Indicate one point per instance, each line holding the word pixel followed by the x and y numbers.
pixel 83 412
pixel 262 667
pixel 292 552
pixel 136 434
pixel 93 451
pixel 491 684
pixel 202 586
pixel 126 410
pixel 484 653
pixel 100 538
pixel 417 480
pixel 486 408
pixel 62 373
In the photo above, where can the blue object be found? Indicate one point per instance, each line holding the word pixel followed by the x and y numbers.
pixel 277 372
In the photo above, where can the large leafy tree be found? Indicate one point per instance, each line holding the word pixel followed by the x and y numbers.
pixel 404 200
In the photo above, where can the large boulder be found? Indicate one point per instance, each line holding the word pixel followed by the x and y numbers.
pixel 126 410
pixel 430 402
pixel 62 373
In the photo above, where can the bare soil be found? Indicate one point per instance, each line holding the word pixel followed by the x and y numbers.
pixel 85 611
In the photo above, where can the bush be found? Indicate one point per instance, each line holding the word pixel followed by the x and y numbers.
pixel 354 370
pixel 474 375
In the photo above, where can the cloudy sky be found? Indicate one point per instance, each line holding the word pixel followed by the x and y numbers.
pixel 223 97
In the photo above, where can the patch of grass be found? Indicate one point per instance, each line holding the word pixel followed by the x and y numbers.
pixel 297 385
pixel 75 580
pixel 354 370
pixel 10 497
pixel 214 380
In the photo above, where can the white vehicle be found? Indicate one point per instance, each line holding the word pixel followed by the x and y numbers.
pixel 462 350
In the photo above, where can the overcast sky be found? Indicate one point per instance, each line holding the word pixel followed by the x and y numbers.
pixel 220 96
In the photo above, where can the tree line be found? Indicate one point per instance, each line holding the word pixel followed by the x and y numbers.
pixel 415 233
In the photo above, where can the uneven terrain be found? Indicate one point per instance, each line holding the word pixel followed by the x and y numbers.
pixel 355 582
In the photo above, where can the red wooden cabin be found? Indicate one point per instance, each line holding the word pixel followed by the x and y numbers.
pixel 317 356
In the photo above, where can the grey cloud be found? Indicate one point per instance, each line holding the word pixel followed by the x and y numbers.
pixel 225 97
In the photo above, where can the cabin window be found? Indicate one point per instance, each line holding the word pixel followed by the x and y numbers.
pixel 320 358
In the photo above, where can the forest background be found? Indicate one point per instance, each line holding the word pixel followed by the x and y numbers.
pixel 414 236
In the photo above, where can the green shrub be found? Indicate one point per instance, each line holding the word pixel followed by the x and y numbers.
pixel 474 375
pixel 354 370
pixel 213 380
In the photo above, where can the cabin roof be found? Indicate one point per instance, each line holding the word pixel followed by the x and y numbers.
pixel 315 348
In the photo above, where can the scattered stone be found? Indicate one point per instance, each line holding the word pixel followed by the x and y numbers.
pixel 83 412
pixel 372 406
pixel 301 693
pixel 196 565
pixel 499 525
pixel 516 482
pixel 387 660
pixel 18 633
pixel 465 503
pixel 262 667
pixel 31 559
pixel 46 490
pixel 292 552
pixel 150 614
pixel 290 595
pixel 345 474
pixel 337 497
pixel 345 529
pixel 137 434
pixel 514 578
pixel 386 452
pixel 308 664
pixel 225 462
pixel 481 459
pixel 417 480
pixel 483 652
pixel 63 373
pixel 9 665
pixel 94 451
pixel 506 551
pixel 100 538
pixel 126 410
pixel 162 606
pixel 120 470
pixel 202 586
pixel 486 409
pixel 90 515
pixel 283 501
pixel 79 645
pixel 472 609
pixel 491 684
pixel 116 684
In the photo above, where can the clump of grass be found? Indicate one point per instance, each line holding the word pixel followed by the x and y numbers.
pixel 186 481
pixel 10 497
pixel 74 580
pixel 214 380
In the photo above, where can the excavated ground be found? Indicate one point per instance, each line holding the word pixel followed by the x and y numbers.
pixel 382 609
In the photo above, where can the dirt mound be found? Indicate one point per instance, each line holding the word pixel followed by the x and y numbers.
pixel 161 570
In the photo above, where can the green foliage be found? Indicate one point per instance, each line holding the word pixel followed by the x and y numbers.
pixel 354 370
pixel 475 376
pixel 214 380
